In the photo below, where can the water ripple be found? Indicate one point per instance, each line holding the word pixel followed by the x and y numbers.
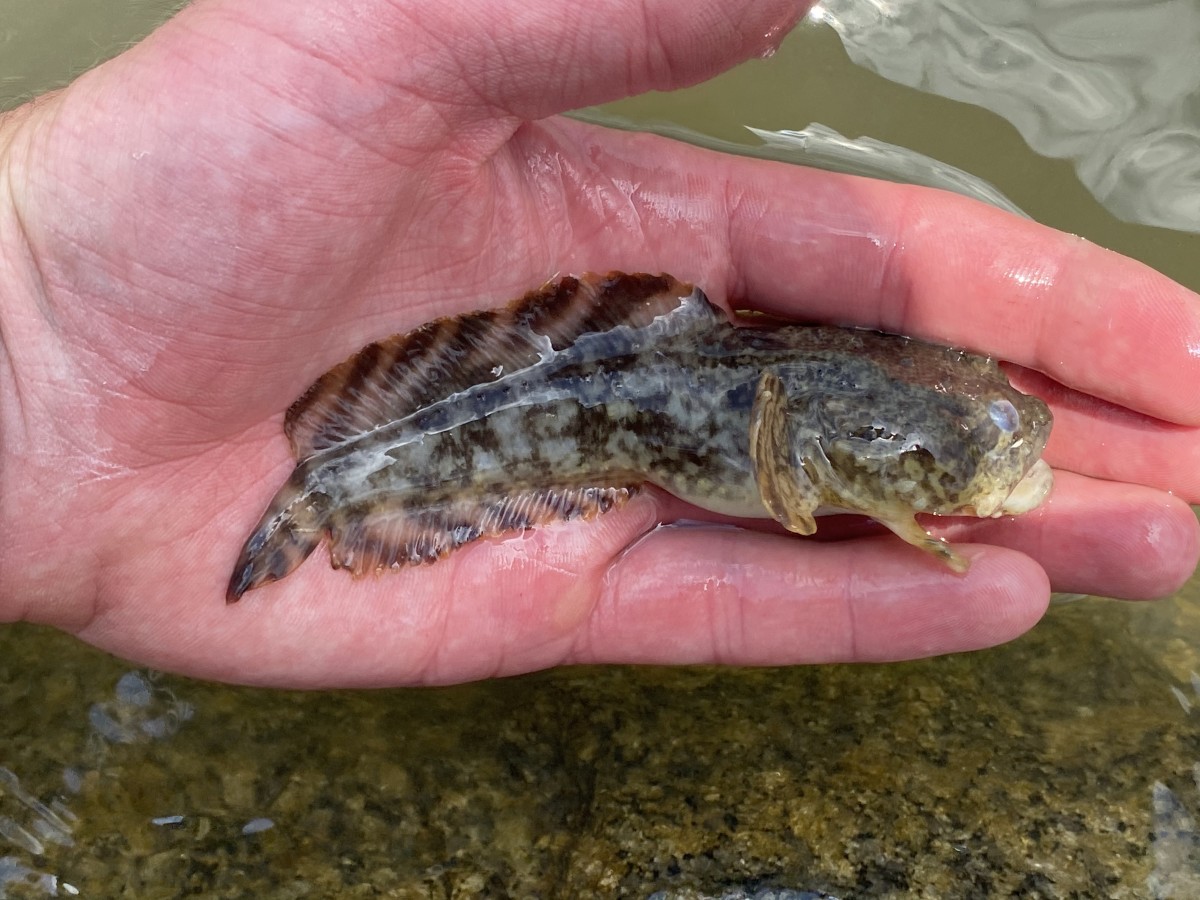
pixel 1113 85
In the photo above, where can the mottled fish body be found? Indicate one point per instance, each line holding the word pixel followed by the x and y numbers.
pixel 565 402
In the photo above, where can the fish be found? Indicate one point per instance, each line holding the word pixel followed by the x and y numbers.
pixel 569 400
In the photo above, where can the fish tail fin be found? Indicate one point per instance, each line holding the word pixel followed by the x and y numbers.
pixel 287 534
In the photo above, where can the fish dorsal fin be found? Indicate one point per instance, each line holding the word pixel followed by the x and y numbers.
pixel 391 536
pixel 394 377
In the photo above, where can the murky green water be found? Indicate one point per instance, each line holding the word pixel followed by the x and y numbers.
pixel 1062 765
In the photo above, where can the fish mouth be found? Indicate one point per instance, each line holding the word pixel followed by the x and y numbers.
pixel 1030 490
pixel 1028 494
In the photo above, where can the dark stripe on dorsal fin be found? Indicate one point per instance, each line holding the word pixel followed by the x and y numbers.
pixel 377 539
pixel 395 377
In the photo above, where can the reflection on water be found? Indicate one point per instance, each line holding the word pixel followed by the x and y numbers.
pixel 822 147
pixel 1113 86
pixel 46 825
pixel 1176 844
pixel 139 710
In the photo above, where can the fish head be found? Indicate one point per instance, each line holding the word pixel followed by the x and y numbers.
pixel 960 441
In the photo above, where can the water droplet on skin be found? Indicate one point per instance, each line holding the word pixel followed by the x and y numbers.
pixel 774 36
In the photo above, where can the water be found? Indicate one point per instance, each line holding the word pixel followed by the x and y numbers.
pixel 1112 86
pixel 1064 764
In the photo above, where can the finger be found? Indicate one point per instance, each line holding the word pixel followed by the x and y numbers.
pixel 1090 536
pixel 1103 440
pixel 531 60
pixel 805 243
pixel 1100 537
pixel 687 595
pixel 470 60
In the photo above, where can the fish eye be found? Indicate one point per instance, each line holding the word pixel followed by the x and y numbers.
pixel 1005 415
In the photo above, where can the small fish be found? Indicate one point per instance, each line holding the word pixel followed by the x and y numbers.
pixel 565 402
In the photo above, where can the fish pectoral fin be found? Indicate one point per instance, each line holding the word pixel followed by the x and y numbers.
pixel 386 536
pixel 905 526
pixel 784 487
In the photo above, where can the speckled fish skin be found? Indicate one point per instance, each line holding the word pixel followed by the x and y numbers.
pixel 568 400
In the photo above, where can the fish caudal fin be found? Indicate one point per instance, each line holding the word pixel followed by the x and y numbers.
pixel 286 535
pixel 376 540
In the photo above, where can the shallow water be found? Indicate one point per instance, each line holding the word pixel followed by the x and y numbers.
pixel 942 778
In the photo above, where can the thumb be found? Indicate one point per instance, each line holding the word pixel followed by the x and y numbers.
pixel 535 59
pixel 473 59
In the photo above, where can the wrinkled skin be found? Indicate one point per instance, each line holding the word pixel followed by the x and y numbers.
pixel 193 232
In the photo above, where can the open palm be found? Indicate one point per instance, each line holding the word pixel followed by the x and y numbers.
pixel 193 232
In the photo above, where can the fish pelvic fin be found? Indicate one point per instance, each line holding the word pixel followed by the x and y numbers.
pixel 904 525
pixel 286 535
pixel 374 540
pixel 394 377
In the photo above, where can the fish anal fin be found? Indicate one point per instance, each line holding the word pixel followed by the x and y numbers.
pixel 381 538
pixel 396 376
pixel 784 487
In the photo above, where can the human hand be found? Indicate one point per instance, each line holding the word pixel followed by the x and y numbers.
pixel 191 233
